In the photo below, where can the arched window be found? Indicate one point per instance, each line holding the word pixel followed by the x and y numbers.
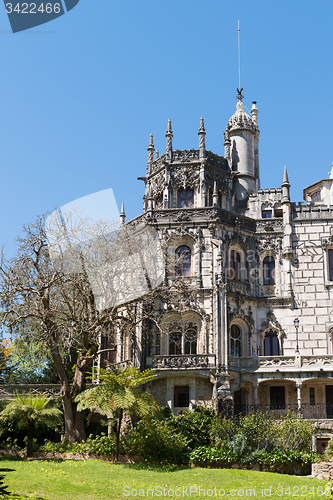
pixel 210 197
pixel 175 342
pixel 159 202
pixel 190 339
pixel 268 271
pixel 183 261
pixel 235 260
pixel 271 345
pixel 185 198
pixel 183 340
pixel 235 341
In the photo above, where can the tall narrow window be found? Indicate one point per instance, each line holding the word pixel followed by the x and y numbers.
pixel 234 272
pixel 175 343
pixel 235 341
pixel 269 271
pixel 330 263
pixel 183 261
pixel 316 197
pixel 185 198
pixel 271 346
pixel 210 197
pixel 312 396
pixel 190 339
pixel 159 202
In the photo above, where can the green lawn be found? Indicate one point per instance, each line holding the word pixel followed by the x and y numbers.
pixel 93 479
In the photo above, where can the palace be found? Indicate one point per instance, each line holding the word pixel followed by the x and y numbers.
pixel 256 329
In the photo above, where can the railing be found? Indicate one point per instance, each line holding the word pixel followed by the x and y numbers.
pixel 318 411
pixel 115 367
pixel 236 362
pixel 178 362
pixel 290 361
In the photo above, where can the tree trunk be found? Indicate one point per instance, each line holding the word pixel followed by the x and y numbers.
pixel 31 434
pixel 116 453
pixel 65 394
pixel 79 385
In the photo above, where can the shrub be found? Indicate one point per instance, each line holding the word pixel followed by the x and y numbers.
pixel 195 425
pixel 238 445
pixel 294 433
pixel 209 455
pixel 259 429
pixel 222 430
pixel 156 441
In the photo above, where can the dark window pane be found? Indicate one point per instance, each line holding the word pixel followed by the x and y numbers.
pixel 183 265
pixel 185 198
pixel 312 396
pixel 267 214
pixel 271 345
pixel 277 398
pixel 181 396
pixel 330 260
pixel 269 271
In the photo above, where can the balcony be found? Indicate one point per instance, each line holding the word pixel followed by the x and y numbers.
pixel 237 363
pixel 320 411
pixel 182 362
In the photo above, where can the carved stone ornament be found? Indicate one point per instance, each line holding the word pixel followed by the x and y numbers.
pixel 185 177
pixel 158 183
pixel 269 226
pixel 270 244
pixel 271 322
pixel 327 242
pixel 185 155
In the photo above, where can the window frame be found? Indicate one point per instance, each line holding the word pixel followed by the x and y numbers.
pixel 183 269
pixel 269 278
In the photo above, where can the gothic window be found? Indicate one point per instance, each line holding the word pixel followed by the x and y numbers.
pixel 269 271
pixel 183 261
pixel 271 344
pixel 235 261
pixel 183 341
pixel 330 263
pixel 175 342
pixel 190 339
pixel 181 396
pixel 210 197
pixel 235 341
pixel 159 202
pixel 185 198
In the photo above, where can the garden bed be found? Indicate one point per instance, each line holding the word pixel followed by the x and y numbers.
pixel 123 459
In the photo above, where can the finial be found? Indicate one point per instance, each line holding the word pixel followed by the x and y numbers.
pixel 239 95
pixel 254 112
pixel 156 154
pixel 169 136
pixel 285 177
pixel 201 134
pixel 151 149
pixel 122 214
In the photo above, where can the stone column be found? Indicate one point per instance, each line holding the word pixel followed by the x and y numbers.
pixel 255 394
pixel 201 134
pixel 299 402
pixel 169 136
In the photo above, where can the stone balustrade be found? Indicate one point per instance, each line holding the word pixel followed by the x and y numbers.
pixel 182 362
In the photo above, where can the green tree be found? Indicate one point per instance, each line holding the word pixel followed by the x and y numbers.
pixel 31 410
pixel 120 392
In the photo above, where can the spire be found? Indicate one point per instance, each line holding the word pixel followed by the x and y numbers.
pixel 122 214
pixel 285 178
pixel 285 187
pixel 151 149
pixel 201 134
pixel 169 136
pixel 331 173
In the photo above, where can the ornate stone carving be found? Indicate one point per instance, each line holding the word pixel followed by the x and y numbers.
pixel 185 155
pixel 190 361
pixel 185 177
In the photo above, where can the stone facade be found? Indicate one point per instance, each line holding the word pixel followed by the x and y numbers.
pixel 254 327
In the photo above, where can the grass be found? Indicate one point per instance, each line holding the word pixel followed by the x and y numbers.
pixel 94 479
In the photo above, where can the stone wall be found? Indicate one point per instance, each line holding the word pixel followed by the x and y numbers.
pixel 323 470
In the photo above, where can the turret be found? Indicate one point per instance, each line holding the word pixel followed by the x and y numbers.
pixel 241 137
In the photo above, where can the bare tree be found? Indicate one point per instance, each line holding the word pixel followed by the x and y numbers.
pixel 69 303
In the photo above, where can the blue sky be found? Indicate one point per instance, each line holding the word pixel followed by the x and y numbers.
pixel 80 95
